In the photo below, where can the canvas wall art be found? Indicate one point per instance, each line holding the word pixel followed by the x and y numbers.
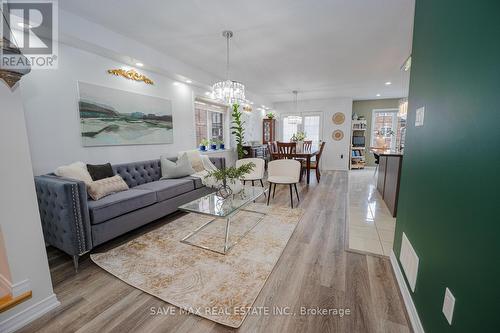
pixel 116 117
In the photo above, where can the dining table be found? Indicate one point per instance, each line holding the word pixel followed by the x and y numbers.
pixel 306 155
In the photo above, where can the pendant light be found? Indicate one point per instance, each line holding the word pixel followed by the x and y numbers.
pixel 295 119
pixel 228 91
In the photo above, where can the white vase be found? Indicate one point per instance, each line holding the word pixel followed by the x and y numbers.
pixel 300 146
pixel 235 185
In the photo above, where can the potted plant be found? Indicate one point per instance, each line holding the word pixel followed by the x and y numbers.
pixel 237 130
pixel 299 139
pixel 221 144
pixel 203 144
pixel 213 144
pixel 270 115
pixel 230 178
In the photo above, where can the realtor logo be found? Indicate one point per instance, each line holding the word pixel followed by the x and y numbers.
pixel 29 27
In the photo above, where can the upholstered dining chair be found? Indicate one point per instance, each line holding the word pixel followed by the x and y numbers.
pixel 285 149
pixel 257 174
pixel 283 172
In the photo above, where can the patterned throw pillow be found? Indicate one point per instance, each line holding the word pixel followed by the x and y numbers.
pixel 195 159
pixel 103 187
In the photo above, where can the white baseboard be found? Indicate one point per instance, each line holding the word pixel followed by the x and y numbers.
pixel 29 314
pixel 5 287
pixel 410 307
pixel 14 289
pixel 20 288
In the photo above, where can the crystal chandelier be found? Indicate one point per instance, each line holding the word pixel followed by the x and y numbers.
pixel 228 91
pixel 295 119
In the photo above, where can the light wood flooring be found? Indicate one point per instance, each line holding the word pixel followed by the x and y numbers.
pixel 314 271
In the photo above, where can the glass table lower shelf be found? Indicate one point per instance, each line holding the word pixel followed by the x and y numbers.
pixel 232 219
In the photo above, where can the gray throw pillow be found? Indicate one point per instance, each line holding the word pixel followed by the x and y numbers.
pixel 181 168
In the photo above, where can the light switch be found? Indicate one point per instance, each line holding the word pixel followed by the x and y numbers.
pixel 448 305
pixel 419 118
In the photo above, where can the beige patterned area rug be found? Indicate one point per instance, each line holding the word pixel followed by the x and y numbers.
pixel 218 287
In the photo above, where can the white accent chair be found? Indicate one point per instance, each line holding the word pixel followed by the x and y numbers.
pixel 283 172
pixel 256 174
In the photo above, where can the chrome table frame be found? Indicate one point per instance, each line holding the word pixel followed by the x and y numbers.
pixel 227 245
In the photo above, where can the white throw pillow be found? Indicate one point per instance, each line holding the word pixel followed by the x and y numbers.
pixel 194 158
pixel 181 168
pixel 77 170
pixel 106 186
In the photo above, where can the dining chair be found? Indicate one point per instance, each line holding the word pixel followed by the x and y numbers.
pixel 377 161
pixel 308 145
pixel 283 172
pixel 315 164
pixel 257 174
pixel 271 147
pixel 285 149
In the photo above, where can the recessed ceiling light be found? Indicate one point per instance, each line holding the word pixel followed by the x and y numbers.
pixel 176 84
pixel 189 81
pixel 251 103
pixel 140 64
pixel 378 95
pixel 207 93
pixel 388 83
pixel 22 25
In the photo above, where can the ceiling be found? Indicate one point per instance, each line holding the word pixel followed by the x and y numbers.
pixel 322 48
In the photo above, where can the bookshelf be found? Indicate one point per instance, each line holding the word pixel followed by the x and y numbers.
pixel 358 145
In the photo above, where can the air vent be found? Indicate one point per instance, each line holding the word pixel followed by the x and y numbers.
pixel 409 262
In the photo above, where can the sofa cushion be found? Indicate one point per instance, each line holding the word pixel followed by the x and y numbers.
pixel 196 180
pixel 119 203
pixel 168 188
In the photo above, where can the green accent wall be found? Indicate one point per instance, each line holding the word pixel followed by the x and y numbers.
pixel 365 108
pixel 449 196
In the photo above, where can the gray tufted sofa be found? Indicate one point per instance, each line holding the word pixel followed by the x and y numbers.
pixel 75 224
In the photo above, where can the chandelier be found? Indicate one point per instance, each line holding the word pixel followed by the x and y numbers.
pixel 228 91
pixel 295 119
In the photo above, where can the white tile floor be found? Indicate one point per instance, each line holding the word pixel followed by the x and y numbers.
pixel 371 226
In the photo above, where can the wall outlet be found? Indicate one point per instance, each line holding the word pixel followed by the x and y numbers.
pixel 448 305
pixel 419 117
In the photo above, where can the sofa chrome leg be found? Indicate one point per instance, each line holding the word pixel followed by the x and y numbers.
pixel 75 262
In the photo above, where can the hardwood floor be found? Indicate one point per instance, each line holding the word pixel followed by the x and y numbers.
pixel 314 272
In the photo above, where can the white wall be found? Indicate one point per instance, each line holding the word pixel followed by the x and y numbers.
pixel 19 218
pixel 50 101
pixel 336 153
pixel 51 104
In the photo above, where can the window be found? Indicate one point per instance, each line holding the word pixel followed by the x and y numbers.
pixel 289 129
pixel 312 128
pixel 310 123
pixel 384 128
pixel 209 121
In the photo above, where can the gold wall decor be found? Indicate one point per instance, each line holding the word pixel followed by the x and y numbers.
pixel 247 108
pixel 338 118
pixel 131 74
pixel 337 135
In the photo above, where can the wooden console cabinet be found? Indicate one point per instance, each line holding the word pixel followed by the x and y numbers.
pixel 268 130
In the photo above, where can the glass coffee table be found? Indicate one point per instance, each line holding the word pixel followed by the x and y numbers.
pixel 231 219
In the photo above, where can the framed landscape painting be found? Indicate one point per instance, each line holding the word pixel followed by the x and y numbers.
pixel 111 117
